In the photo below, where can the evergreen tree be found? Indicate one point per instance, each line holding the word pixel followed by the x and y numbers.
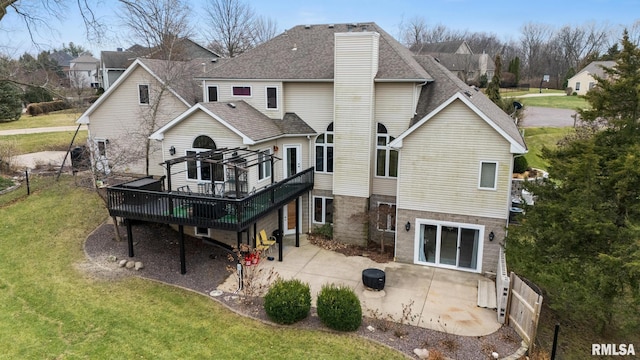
pixel 514 68
pixel 10 102
pixel 581 240
pixel 493 89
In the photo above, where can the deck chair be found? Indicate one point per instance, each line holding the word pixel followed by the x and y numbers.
pixel 265 241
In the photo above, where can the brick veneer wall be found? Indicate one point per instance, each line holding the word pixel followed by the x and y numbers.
pixel 350 219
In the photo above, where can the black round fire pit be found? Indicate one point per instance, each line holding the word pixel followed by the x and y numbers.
pixel 373 278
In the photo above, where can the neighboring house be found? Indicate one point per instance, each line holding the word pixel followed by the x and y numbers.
pixel 114 63
pixel 83 72
pixel 62 58
pixel 393 143
pixel 458 58
pixel 584 80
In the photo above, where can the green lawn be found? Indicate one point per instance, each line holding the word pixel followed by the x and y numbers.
pixel 51 308
pixel 537 138
pixel 50 141
pixel 58 118
pixel 508 93
pixel 559 102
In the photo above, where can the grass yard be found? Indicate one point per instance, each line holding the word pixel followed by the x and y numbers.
pixel 51 308
pixel 58 118
pixel 508 93
pixel 50 141
pixel 537 138
pixel 558 102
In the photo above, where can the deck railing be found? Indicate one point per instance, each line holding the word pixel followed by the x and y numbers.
pixel 204 210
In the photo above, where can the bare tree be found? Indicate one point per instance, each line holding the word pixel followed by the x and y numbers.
pixel 159 25
pixel 533 41
pixel 232 23
pixel 264 29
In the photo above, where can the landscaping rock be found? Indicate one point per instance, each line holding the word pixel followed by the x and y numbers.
pixel 421 353
pixel 122 263
pixel 139 265
pixel 130 264
pixel 371 328
pixel 112 258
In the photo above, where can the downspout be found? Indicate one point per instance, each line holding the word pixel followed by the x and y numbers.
pixel 310 193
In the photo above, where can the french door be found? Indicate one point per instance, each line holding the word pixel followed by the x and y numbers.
pixel 292 165
pixel 450 245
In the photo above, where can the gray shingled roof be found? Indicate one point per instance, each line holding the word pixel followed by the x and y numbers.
pixel 446 84
pixel 255 124
pixel 117 59
pixel 445 47
pixel 313 57
pixel 595 67
pixel 179 76
pixel 461 62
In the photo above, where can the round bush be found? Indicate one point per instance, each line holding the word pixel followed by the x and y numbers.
pixel 288 301
pixel 520 164
pixel 339 308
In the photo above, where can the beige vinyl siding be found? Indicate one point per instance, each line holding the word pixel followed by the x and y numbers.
pixel 440 166
pixel 313 102
pixel 584 78
pixel 356 63
pixel 120 116
pixel 183 134
pixel 384 186
pixel 395 106
pixel 258 98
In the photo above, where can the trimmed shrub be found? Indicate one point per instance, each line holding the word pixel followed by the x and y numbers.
pixel 339 308
pixel 520 164
pixel 46 107
pixel 288 301
pixel 325 231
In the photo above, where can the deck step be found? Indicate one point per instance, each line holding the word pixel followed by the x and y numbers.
pixel 487 294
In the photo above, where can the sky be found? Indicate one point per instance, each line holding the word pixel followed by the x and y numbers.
pixel 500 17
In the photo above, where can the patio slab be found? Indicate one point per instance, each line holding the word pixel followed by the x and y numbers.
pixel 439 299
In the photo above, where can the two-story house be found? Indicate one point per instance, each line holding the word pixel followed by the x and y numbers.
pixel 383 131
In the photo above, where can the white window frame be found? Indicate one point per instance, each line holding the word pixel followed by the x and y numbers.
pixel 325 145
pixel 148 94
pixel 196 232
pixel 242 86
pixel 440 224
pixel 102 153
pixel 208 93
pixel 264 165
pixel 324 209
pixel 389 219
pixel 266 97
pixel 387 165
pixel 495 175
pixel 198 165
pixel 577 86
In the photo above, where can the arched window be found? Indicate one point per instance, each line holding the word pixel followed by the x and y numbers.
pixel 324 151
pixel 386 159
pixel 197 170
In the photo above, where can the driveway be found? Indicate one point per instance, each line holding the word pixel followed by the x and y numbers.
pixel 547 117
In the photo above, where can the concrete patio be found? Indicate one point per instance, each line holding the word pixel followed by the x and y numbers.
pixel 439 299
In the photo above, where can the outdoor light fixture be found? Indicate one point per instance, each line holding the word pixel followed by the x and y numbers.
pixel 491 236
pixel 407 226
pixel 172 150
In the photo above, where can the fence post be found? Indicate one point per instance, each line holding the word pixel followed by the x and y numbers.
pixel 26 174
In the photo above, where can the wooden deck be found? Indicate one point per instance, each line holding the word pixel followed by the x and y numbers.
pixel 204 210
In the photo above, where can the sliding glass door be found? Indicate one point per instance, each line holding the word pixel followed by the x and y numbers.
pixel 450 245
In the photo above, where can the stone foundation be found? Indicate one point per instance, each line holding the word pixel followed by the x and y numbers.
pixel 350 219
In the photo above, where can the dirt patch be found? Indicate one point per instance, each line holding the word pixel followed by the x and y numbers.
pixel 372 250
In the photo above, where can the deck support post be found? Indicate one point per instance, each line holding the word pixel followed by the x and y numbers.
pixel 255 234
pixel 239 235
pixel 298 221
pixel 129 236
pixel 183 261
pixel 280 232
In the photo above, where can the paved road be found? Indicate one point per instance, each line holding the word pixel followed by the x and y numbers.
pixel 546 117
pixel 40 130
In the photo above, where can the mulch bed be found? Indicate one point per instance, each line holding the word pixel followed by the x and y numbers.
pixel 156 246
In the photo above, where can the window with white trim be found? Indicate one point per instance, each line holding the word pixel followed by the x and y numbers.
pixel 453 245
pixel 324 151
pixel 272 98
pixel 322 210
pixel 212 93
pixel 143 94
pixel 386 159
pixel 241 91
pixel 577 86
pixel 204 171
pixel 386 217
pixel 488 175
pixel 264 164
pixel 102 147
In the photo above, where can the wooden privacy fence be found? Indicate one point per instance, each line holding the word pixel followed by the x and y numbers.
pixel 519 302
pixel 524 307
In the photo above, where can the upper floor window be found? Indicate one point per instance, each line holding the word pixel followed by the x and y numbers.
pixel 272 98
pixel 202 170
pixel 324 151
pixel 242 91
pixel 143 94
pixel 264 167
pixel 488 175
pixel 386 159
pixel 212 93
